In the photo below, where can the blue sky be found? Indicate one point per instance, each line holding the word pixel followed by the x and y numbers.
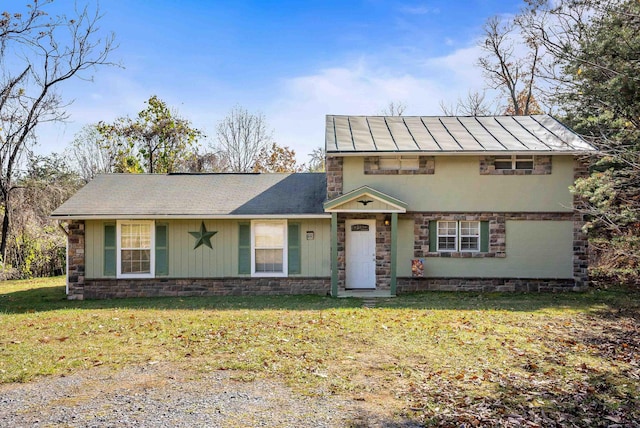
pixel 293 61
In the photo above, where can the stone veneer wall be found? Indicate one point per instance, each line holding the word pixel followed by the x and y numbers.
pixel 541 166
pixel 334 176
pixel 580 239
pixel 409 285
pixel 167 287
pixel 383 249
pixel 75 260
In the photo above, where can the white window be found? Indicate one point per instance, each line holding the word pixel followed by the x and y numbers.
pixel 513 162
pixel 469 236
pixel 269 249
pixel 135 258
pixel 402 163
pixel 447 235
pixel 458 236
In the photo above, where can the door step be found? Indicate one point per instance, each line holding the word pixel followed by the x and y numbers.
pixel 365 294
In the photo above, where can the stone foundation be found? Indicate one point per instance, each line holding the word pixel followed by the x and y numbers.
pixel 412 285
pixel 161 287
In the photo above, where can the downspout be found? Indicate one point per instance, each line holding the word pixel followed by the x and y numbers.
pixel 66 255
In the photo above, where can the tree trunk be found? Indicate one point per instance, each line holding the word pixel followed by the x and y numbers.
pixel 5 229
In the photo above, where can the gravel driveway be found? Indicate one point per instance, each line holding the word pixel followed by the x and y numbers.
pixel 164 395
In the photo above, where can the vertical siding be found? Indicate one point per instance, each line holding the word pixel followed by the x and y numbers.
pixel 315 253
pixel 94 249
pixel 203 262
pixel 222 260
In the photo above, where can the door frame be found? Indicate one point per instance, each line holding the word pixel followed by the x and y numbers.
pixel 372 233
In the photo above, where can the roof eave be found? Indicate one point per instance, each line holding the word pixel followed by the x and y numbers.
pixel 183 216
pixel 348 153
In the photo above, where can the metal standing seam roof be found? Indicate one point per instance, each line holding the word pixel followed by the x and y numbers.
pixel 197 196
pixel 450 134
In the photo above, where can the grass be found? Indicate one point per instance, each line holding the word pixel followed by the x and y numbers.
pixel 438 358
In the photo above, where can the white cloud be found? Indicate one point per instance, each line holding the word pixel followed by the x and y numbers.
pixel 362 88
pixel 299 115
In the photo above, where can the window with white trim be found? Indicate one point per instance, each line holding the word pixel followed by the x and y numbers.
pixel 269 248
pixel 447 236
pixel 135 255
pixel 461 236
pixel 513 162
pixel 469 236
pixel 399 163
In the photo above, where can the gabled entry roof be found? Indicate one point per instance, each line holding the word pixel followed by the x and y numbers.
pixel 450 134
pixel 365 199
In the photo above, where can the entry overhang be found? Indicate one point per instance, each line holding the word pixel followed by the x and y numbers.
pixel 365 199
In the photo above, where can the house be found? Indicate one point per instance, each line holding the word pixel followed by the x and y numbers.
pixel 406 204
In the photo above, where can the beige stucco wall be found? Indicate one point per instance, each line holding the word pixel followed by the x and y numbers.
pixel 222 260
pixel 458 186
pixel 535 249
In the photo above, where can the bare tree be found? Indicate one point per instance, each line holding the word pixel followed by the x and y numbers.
pixel 89 153
pixel 197 162
pixel 507 69
pixel 38 53
pixel 317 162
pixel 394 108
pixel 241 137
pixel 475 104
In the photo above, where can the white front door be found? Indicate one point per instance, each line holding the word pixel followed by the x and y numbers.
pixel 360 250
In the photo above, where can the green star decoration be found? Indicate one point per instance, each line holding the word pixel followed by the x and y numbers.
pixel 203 237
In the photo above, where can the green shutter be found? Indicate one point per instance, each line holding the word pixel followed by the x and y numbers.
pixel 484 236
pixel 293 235
pixel 244 248
pixel 110 260
pixel 162 250
pixel 433 236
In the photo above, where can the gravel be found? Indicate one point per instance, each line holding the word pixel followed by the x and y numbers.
pixel 165 395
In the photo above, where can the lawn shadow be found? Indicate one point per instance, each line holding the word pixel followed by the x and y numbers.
pixel 51 298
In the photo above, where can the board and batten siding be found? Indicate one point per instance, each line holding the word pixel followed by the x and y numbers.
pixel 222 260
pixel 535 249
pixel 457 186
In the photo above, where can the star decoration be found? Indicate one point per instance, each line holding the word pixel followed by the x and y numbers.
pixel 203 237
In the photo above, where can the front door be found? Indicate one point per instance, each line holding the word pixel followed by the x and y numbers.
pixel 360 250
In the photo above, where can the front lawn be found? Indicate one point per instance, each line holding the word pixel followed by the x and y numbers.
pixel 438 358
